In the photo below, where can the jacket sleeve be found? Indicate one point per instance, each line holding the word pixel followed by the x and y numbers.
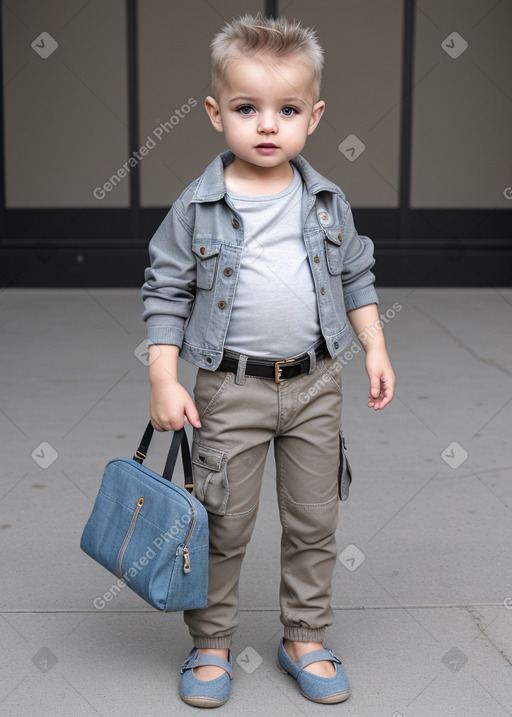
pixel 169 288
pixel 357 277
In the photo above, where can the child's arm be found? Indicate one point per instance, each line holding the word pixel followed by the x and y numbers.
pixel 170 403
pixel 365 322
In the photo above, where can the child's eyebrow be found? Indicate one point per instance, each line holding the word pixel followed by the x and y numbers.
pixel 252 100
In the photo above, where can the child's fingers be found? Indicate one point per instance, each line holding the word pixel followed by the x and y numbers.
pixel 167 423
pixel 383 402
pixel 375 386
pixel 192 415
pixel 386 393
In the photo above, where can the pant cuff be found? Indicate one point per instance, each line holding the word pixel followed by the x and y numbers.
pixel 304 634
pixel 212 642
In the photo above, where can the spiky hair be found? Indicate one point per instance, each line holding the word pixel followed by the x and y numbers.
pixel 248 35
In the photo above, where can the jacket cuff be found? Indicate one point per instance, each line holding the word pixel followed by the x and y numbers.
pixel 164 335
pixel 361 297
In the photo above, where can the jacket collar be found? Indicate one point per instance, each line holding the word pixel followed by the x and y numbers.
pixel 211 186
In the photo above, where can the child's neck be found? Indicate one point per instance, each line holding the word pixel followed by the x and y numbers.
pixel 244 178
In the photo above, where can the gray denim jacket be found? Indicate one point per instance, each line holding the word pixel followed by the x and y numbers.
pixel 195 259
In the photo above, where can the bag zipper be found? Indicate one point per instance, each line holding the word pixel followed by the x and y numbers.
pixel 127 537
pixel 186 554
pixel 122 550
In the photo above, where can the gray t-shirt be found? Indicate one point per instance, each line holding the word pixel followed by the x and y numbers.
pixel 275 314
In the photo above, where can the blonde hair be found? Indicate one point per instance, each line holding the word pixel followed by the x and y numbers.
pixel 249 35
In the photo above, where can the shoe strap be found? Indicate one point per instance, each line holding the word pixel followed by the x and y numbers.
pixel 195 660
pixel 317 656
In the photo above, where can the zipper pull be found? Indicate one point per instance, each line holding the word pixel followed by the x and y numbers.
pixel 186 560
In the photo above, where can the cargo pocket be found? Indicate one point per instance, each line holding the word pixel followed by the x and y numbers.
pixel 209 467
pixel 344 470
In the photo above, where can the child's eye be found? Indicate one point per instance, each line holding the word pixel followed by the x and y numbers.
pixel 245 110
pixel 288 111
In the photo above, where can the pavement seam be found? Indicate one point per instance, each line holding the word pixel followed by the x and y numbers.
pixel 364 608
pixel 476 618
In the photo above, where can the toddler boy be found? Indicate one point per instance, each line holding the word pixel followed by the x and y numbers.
pixel 253 274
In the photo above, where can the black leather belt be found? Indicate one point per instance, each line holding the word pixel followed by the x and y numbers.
pixel 278 370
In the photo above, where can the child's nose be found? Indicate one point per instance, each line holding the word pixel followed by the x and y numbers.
pixel 267 122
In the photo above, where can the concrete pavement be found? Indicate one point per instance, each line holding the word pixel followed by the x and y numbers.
pixel 423 587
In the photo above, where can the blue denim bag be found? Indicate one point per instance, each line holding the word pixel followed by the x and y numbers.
pixel 149 532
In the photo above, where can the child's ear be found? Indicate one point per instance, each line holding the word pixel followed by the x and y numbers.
pixel 213 110
pixel 316 114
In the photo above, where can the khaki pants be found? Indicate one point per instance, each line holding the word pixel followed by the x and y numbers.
pixel 239 420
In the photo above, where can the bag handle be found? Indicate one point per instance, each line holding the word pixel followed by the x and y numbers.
pixel 179 439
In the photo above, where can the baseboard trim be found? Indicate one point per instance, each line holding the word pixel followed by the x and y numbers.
pixel 121 264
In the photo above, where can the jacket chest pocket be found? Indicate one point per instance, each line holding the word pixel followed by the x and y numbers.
pixel 333 242
pixel 207 254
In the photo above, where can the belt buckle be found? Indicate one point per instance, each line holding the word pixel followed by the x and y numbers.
pixel 277 370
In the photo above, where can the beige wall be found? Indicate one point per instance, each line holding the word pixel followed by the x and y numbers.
pixel 462 118
pixel 65 116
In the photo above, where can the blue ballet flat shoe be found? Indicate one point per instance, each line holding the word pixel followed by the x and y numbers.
pixel 205 693
pixel 326 690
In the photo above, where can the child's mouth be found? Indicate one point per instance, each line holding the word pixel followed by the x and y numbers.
pixel 266 148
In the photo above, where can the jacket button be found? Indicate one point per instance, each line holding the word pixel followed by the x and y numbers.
pixel 336 345
pixel 228 271
pixel 322 291
pixel 340 236
pixel 316 259
pixel 202 250
pixel 221 304
pixel 209 359
pixel 235 223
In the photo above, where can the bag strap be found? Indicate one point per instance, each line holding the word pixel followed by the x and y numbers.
pixel 179 439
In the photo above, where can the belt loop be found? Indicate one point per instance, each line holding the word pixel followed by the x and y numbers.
pixel 240 372
pixel 312 360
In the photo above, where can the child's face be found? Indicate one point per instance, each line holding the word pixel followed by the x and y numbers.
pixel 266 109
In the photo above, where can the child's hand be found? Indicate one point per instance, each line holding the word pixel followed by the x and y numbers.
pixel 382 378
pixel 171 406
